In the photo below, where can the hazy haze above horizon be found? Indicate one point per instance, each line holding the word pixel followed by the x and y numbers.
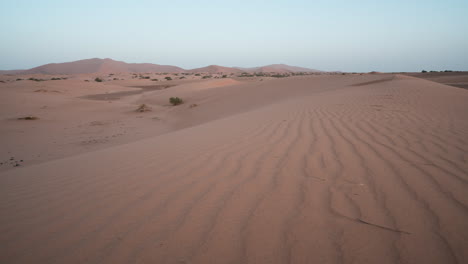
pixel 325 35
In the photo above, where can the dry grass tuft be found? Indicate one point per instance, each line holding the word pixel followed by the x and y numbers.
pixel 28 118
pixel 143 108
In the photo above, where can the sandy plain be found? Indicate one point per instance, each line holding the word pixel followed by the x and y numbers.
pixel 355 168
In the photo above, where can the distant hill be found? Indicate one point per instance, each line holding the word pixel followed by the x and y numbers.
pixel 11 72
pixel 111 66
pixel 100 66
pixel 215 69
pixel 279 68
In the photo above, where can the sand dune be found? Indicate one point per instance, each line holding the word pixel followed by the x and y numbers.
pixel 457 79
pixel 310 169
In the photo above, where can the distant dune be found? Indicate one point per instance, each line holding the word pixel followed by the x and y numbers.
pixel 280 68
pixel 97 65
pixel 11 72
pixel 216 69
pixel 100 66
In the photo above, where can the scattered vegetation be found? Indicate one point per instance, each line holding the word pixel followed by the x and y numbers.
pixel 168 78
pixel 424 71
pixel 28 118
pixel 207 77
pixel 143 108
pixel 197 74
pixel 224 76
pixel 154 80
pixel 36 80
pixel 280 75
pixel 98 79
pixel 19 79
pixel 245 74
pixel 175 101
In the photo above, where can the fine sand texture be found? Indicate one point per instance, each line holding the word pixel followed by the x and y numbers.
pixel 310 169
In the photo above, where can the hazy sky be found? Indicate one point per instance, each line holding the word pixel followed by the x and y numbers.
pixel 396 35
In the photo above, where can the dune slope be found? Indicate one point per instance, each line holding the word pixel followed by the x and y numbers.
pixel 347 171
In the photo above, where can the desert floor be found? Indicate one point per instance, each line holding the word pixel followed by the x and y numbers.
pixel 309 169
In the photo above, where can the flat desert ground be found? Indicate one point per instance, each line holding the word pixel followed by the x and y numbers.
pixel 351 168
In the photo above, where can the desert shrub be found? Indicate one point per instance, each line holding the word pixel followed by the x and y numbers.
pixel 279 75
pixel 206 77
pixel 245 74
pixel 168 78
pixel 175 101
pixel 423 71
pixel 98 79
pixel 183 77
pixel 19 79
pixel 224 76
pixel 28 118
pixel 36 80
pixel 143 108
pixel 154 80
pixel 197 74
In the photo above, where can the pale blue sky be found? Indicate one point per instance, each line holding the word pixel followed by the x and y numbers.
pixel 361 35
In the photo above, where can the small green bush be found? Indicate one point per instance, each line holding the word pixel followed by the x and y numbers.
pixel 98 79
pixel 175 101
pixel 168 78
pixel 423 71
